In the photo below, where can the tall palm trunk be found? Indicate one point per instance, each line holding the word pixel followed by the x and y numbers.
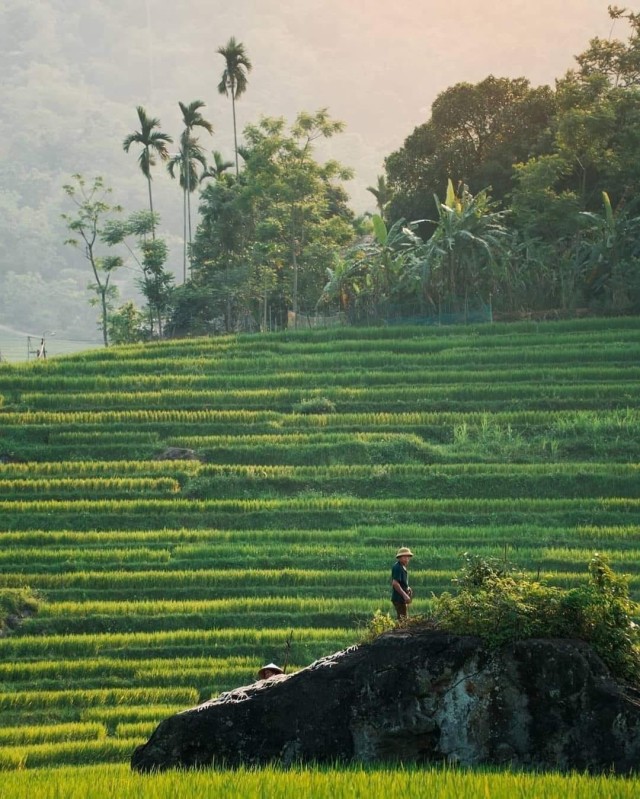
pixel 189 150
pixel 184 235
pixel 235 134
pixel 188 249
pixel 153 226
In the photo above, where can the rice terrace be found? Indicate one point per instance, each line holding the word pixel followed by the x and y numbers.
pixel 175 515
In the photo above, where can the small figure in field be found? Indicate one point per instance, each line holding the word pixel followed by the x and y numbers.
pixel 401 594
pixel 268 671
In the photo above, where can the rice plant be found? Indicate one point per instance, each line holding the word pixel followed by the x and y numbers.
pixel 163 582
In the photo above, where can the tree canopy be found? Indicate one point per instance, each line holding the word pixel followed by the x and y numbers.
pixel 475 135
pixel 508 198
pixel 265 238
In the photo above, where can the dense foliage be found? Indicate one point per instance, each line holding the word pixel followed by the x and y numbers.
pixel 508 199
pixel 476 134
pixel 502 606
pixel 538 214
pixel 266 237
pixel 548 158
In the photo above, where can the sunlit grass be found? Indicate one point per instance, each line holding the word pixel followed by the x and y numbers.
pixel 310 783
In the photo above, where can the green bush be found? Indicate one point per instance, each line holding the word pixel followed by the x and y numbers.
pixel 379 623
pixel 315 405
pixel 502 606
pixel 14 604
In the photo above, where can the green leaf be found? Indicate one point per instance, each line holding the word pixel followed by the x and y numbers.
pixel 608 212
pixel 450 199
pixel 379 229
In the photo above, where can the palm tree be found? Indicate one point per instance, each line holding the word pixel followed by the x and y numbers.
pixel 190 154
pixel 218 168
pixel 382 194
pixel 609 254
pixel 234 79
pixel 153 142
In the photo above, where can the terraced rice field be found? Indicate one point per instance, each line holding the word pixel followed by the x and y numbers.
pixel 164 582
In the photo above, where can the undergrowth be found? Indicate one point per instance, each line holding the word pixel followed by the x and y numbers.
pixel 16 603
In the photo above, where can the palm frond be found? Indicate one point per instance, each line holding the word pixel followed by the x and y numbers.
pixel 238 64
pixel 192 117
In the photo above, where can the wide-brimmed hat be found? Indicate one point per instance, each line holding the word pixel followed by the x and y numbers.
pixel 404 551
pixel 269 667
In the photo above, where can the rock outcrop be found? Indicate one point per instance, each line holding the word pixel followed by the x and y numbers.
pixel 178 454
pixel 418 696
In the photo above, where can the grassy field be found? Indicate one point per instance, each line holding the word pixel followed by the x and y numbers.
pixel 161 583
pixel 354 783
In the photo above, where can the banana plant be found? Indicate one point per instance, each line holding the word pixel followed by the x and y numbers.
pixel 378 269
pixel 610 255
pixel 467 245
pixel 394 254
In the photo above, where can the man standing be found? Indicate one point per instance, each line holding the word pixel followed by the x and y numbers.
pixel 400 591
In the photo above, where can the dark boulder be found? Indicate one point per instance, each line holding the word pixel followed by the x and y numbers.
pixel 418 696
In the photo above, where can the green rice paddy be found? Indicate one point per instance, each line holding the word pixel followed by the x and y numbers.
pixel 164 582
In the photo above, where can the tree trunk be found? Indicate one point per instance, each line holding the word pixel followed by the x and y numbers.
pixel 264 310
pixel 153 227
pixel 184 235
pixel 228 298
pixel 101 289
pixel 158 308
pixel 235 135
pixel 294 261
pixel 188 251
pixel 103 298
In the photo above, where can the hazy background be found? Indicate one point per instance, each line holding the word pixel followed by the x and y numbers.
pixel 73 72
